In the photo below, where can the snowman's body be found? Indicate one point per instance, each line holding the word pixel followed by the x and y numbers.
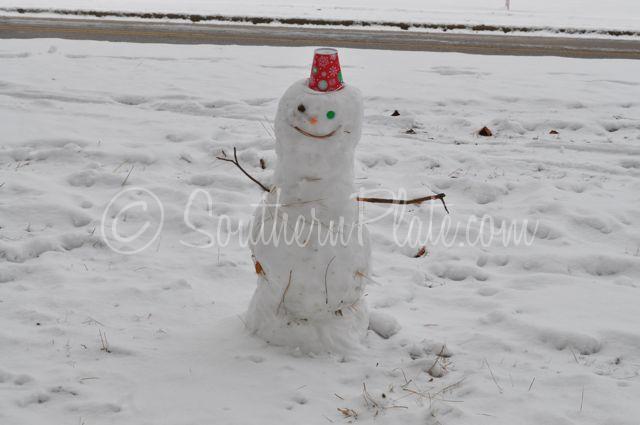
pixel 312 255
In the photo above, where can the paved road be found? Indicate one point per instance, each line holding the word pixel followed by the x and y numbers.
pixel 187 33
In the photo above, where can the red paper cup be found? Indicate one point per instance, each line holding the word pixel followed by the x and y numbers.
pixel 326 75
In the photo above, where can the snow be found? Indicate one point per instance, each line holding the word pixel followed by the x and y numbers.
pixel 384 325
pixel 589 14
pixel 312 254
pixel 542 332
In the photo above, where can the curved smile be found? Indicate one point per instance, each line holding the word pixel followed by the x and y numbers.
pixel 315 136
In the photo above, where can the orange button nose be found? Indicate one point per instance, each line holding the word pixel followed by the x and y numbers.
pixel 313 120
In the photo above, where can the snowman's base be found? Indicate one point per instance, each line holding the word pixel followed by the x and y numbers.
pixel 340 332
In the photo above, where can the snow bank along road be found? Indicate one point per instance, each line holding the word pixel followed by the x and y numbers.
pixel 610 16
pixel 175 33
pixel 540 334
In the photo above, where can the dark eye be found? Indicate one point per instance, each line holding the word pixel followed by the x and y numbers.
pixel 301 108
pixel 331 115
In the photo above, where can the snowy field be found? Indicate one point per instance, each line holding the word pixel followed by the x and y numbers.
pixel 590 14
pixel 540 334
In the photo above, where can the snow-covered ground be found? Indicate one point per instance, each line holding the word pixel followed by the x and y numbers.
pixel 540 334
pixel 591 14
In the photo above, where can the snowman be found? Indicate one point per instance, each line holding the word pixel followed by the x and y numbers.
pixel 310 249
pixel 311 253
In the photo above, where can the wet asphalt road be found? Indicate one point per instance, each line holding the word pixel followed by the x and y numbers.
pixel 189 33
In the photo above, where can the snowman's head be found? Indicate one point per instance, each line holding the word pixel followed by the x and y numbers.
pixel 310 121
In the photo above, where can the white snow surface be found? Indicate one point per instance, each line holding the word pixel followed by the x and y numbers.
pixel 540 334
pixel 591 14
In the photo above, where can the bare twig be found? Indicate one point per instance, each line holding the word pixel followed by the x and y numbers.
pixel 581 399
pixel 237 164
pixel 415 201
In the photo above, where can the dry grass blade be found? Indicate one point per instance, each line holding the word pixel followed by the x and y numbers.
pixel 118 167
pixel 128 174
pixel 440 361
pixel 409 390
pixel 361 274
pixel 406 381
pixel 367 397
pixel 326 288
pixel 284 294
pixel 348 413
pixel 531 384
pixel 270 131
pixel 449 387
pixel 372 403
pixel 434 396
pixel 574 355
pixel 495 381
pixel 103 341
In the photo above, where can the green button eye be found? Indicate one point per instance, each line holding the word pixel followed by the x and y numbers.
pixel 331 115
